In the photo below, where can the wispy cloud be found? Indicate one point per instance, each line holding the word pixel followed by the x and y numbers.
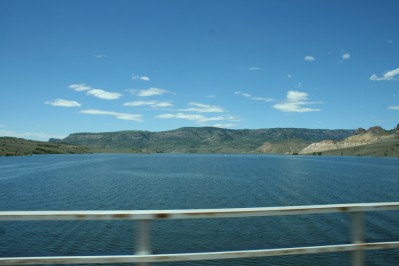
pixel 152 104
pixel 210 96
pixel 309 58
pixel 247 95
pixel 63 103
pixel 224 125
pixel 80 87
pixel 102 94
pixel 394 107
pixel 243 94
pixel 201 119
pixel 390 75
pixel 149 92
pixel 123 116
pixel 262 99
pixel 203 108
pixel 99 55
pixel 254 68
pixel 296 102
pixel 346 56
pixel 138 77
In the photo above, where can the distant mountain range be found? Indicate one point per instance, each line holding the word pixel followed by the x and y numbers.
pixel 207 140
pixel 372 142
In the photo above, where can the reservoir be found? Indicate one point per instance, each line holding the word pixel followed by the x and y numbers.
pixel 176 181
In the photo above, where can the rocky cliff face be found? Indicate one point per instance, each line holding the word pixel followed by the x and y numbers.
pixel 362 137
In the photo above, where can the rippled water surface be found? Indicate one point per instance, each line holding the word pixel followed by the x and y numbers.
pixel 134 182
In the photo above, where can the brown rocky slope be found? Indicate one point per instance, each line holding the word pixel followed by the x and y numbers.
pixel 371 137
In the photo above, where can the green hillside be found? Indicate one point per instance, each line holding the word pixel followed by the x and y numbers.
pixel 10 146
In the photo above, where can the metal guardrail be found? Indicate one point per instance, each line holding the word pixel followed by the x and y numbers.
pixel 143 254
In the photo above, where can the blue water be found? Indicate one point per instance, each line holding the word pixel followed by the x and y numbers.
pixel 134 182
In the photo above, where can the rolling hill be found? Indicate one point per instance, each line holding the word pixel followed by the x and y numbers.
pixel 10 146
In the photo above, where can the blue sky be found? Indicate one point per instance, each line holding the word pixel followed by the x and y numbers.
pixel 94 66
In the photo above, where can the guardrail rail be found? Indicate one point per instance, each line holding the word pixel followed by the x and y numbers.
pixel 143 252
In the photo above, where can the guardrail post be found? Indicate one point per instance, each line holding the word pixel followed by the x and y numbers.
pixel 143 243
pixel 357 238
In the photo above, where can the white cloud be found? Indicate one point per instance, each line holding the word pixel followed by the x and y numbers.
pixel 296 96
pixel 99 55
pixel 182 116
pixel 346 56
pixel 210 96
pixel 149 92
pixel 224 125
pixel 153 104
pixel 136 77
pixel 80 87
pixel 243 94
pixel 262 99
pixel 201 119
pixel 390 75
pixel 289 76
pixel 104 94
pixel 30 135
pixel 254 68
pixel 375 77
pixel 63 103
pixel 247 95
pixel 394 107
pixel 123 116
pixel 296 102
pixel 203 108
pixel 309 58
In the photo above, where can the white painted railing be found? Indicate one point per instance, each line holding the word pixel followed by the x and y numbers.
pixel 143 254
